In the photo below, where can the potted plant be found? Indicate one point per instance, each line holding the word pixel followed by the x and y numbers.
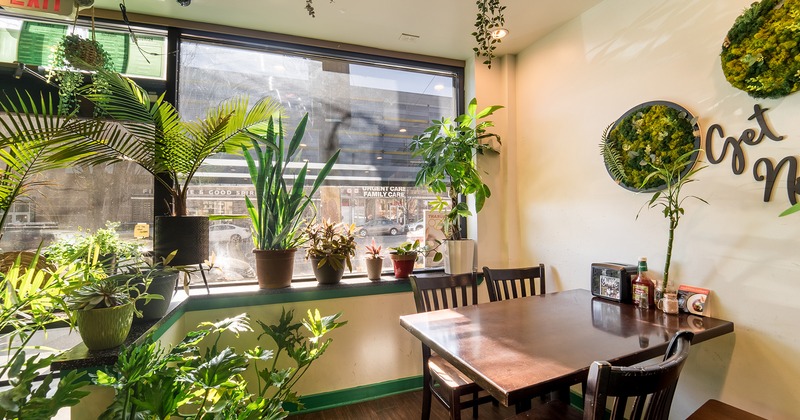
pixel 330 248
pixel 103 310
pixel 72 55
pixel 403 257
pixel 199 378
pixel 153 135
pixel 448 150
pixel 277 214
pixel 674 177
pixel 373 260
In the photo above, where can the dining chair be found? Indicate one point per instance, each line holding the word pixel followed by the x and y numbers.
pixel 630 392
pixel 512 283
pixel 441 379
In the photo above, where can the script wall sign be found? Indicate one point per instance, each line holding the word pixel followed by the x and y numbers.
pixel 764 169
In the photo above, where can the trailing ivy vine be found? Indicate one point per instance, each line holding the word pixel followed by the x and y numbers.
pixel 69 57
pixel 490 16
pixel 761 53
pixel 310 8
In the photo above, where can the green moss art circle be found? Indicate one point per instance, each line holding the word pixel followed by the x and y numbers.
pixel 761 55
pixel 656 133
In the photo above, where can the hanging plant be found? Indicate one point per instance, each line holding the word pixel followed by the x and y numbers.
pixel 72 56
pixel 310 8
pixel 490 17
pixel 656 133
pixel 761 54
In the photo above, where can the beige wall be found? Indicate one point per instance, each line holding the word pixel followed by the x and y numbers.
pixel 568 87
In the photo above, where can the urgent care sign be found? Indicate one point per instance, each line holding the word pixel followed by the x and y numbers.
pixel 60 7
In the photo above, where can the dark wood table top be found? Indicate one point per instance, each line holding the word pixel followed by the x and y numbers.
pixel 524 347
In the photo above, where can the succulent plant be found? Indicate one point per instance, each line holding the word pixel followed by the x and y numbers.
pixel 106 293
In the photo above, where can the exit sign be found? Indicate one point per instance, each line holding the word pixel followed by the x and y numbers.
pixel 60 7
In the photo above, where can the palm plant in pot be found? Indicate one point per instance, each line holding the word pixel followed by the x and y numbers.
pixel 30 134
pixel 277 214
pixel 373 260
pixel 448 149
pixel 330 248
pixel 153 135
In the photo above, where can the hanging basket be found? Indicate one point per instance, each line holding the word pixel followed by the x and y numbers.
pixel 84 54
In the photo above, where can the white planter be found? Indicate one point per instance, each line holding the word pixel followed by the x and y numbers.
pixel 459 256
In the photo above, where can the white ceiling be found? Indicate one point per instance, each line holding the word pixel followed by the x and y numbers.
pixel 443 26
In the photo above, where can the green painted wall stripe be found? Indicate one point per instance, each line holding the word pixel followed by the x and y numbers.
pixel 266 297
pixel 345 397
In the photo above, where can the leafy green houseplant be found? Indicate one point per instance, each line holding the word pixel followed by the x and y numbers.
pixel 153 135
pixel 330 248
pixel 404 256
pixel 106 242
pixel 30 300
pixel 190 381
pixel 278 211
pixel 674 178
pixel 448 149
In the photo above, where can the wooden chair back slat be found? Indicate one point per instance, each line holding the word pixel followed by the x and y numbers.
pixel 432 293
pixel 513 283
pixel 650 389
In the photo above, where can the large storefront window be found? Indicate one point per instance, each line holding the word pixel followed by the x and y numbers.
pixel 367 110
pixel 73 201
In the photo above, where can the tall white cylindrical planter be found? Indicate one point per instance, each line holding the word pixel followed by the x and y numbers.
pixel 459 256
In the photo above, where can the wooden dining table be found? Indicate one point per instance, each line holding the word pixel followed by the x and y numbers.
pixel 520 348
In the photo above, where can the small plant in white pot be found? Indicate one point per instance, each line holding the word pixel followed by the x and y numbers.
pixel 448 149
pixel 373 260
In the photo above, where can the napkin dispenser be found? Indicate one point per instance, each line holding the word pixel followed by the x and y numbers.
pixel 612 281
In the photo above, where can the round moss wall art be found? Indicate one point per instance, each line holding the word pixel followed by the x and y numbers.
pixel 761 55
pixel 653 133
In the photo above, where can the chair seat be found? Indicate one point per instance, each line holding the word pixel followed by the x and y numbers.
pixel 447 375
pixel 551 410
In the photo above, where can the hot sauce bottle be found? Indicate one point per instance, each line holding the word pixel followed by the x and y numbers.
pixel 643 287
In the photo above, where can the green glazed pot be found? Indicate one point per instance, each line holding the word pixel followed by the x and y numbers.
pixel 104 328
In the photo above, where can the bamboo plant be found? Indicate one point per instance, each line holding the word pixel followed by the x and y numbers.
pixel 669 198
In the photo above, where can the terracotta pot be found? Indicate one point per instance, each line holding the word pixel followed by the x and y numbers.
pixel 326 274
pixel 187 234
pixel 374 267
pixel 274 267
pixel 403 264
pixel 104 328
